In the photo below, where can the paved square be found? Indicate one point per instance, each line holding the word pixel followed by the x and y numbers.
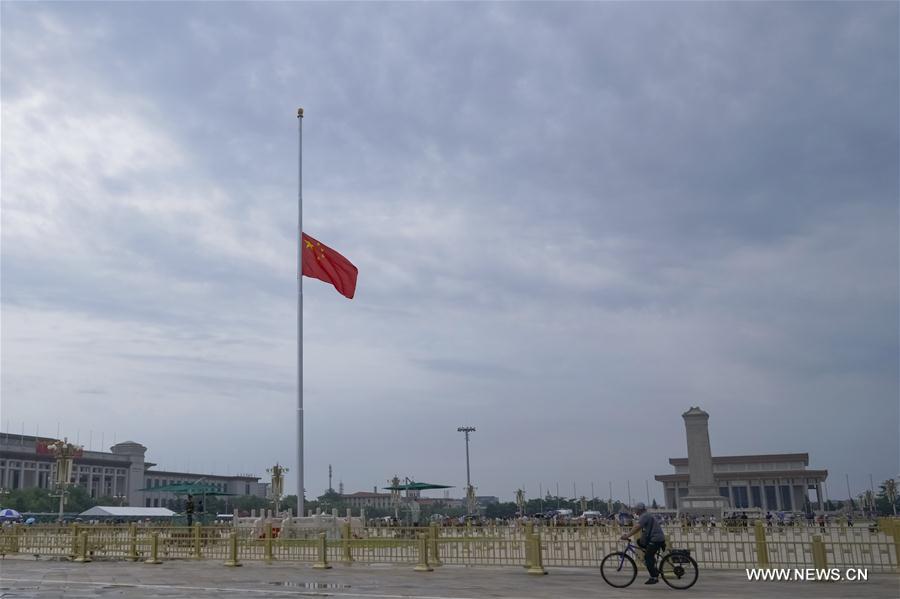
pixel 32 579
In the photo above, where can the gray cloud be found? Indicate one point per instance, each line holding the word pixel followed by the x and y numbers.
pixel 566 218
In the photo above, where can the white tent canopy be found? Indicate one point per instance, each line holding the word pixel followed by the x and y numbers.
pixel 110 511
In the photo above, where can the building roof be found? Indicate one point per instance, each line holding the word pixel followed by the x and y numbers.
pixel 695 411
pixel 128 512
pixel 245 477
pixel 366 495
pixel 823 474
pixel 186 489
pixel 414 486
pixel 764 458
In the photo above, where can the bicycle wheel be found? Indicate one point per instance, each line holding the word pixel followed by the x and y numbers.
pixel 679 571
pixel 618 569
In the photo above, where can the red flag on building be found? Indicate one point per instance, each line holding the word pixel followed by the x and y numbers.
pixel 323 263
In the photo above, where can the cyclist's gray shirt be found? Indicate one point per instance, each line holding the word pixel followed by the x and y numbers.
pixel 651 531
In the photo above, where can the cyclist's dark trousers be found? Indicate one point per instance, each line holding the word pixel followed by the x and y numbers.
pixel 650 551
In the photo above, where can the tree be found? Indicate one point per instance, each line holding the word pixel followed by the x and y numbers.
pixel 887 497
pixel 32 500
pixel 246 503
pixel 330 500
pixel 501 510
pixel 79 500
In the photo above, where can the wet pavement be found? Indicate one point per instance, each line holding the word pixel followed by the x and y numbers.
pixel 30 579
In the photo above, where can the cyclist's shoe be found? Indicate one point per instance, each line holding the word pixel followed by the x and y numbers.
pixel 652 580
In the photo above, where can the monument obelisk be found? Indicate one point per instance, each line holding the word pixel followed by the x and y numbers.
pixel 703 496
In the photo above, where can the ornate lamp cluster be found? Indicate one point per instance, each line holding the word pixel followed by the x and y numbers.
pixel 277 471
pixel 65 453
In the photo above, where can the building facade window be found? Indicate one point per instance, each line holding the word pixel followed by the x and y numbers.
pixel 786 503
pixel 756 496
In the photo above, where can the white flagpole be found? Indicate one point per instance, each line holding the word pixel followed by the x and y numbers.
pixel 300 506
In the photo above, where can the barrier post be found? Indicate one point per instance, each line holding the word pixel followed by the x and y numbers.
pixel 435 548
pixel 346 536
pixel 197 554
pixel 423 566
pixel 267 544
pixel 322 564
pixel 537 561
pixel 232 561
pixel 154 550
pixel 74 550
pixel 762 549
pixel 820 561
pixel 83 556
pixel 529 560
pixel 132 543
pixel 895 526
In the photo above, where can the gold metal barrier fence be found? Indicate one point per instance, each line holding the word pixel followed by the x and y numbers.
pixel 481 551
pixel 379 550
pixel 721 548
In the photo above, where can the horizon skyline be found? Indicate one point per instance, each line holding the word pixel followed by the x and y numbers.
pixel 211 468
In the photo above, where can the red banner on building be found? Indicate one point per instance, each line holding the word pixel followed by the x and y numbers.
pixel 43 448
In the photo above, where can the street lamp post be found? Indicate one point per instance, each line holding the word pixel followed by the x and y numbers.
pixel 65 453
pixel 395 496
pixel 470 492
pixel 277 471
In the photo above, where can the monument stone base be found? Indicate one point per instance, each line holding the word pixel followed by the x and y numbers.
pixel 700 505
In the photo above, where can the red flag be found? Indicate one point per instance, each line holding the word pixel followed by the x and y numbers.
pixel 323 263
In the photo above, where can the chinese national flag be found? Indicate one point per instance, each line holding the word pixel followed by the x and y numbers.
pixel 323 263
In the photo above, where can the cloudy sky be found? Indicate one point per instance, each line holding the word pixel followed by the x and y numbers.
pixel 572 222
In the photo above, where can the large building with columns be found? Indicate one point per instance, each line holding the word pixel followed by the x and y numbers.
pixel 121 473
pixel 776 482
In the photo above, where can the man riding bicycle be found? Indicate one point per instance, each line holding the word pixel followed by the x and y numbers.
pixel 652 539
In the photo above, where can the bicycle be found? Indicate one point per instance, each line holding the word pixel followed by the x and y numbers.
pixel 677 568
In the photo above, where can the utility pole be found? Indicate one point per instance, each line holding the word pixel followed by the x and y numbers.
pixel 849 494
pixel 541 495
pixel 470 492
pixel 610 498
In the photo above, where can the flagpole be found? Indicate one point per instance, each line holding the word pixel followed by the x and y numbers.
pixel 300 506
